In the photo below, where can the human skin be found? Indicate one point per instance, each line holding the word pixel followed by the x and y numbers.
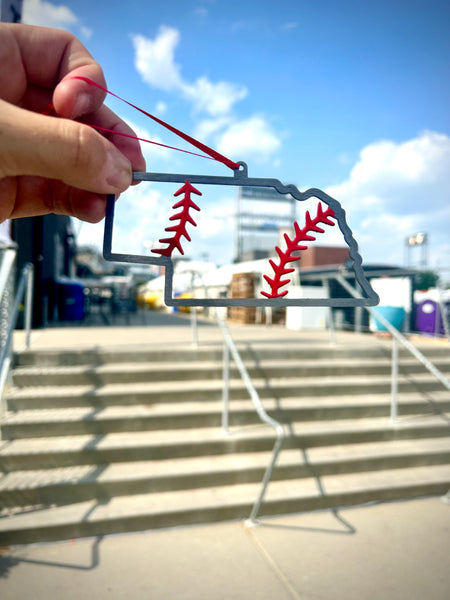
pixel 56 164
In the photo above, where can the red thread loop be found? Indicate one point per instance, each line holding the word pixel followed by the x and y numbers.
pixel 199 145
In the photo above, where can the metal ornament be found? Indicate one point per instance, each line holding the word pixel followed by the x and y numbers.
pixel 240 178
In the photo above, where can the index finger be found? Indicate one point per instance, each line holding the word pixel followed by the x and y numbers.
pixel 50 57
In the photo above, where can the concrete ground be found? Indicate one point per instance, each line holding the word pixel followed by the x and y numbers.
pixel 155 328
pixel 392 551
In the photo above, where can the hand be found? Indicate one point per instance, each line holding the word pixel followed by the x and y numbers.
pixel 54 164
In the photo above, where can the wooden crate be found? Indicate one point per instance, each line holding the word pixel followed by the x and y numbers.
pixel 242 285
pixel 246 315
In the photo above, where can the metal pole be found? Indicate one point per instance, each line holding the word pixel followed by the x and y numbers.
pixel 394 382
pixel 29 306
pixel 330 320
pixel 358 310
pixel 226 389
pixel 444 314
pixel 267 476
pixel 194 326
pixel 194 314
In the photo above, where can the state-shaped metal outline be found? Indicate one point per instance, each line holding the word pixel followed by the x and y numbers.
pixel 241 179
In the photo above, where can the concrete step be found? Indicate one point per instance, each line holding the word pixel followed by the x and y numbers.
pixel 55 452
pixel 68 485
pixel 212 351
pixel 185 507
pixel 113 419
pixel 39 397
pixel 137 372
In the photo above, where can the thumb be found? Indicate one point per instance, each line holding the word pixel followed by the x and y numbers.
pixel 54 148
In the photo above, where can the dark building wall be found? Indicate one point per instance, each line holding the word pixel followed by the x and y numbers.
pixel 48 243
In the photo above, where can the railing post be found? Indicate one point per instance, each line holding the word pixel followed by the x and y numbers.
pixel 193 314
pixel 330 320
pixel 267 476
pixel 194 327
pixel 394 382
pixel 29 306
pixel 226 389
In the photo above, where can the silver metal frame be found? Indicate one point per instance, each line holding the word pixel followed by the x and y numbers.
pixel 241 178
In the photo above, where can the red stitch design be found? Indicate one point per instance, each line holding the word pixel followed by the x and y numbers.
pixel 293 245
pixel 184 217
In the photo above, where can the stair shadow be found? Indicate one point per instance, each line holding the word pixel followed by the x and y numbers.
pixel 348 528
pixel 434 406
pixel 8 562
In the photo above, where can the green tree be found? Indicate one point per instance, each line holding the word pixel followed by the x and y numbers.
pixel 424 280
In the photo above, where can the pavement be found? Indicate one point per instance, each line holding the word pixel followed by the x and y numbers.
pixel 160 329
pixel 392 551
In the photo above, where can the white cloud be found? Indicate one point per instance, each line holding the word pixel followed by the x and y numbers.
pixel 213 98
pixel 151 151
pixel 160 108
pixel 217 219
pixel 38 12
pixel 154 59
pixel 155 62
pixel 209 127
pixel 250 137
pixel 86 32
pixel 214 235
pixel 396 190
pixel 47 14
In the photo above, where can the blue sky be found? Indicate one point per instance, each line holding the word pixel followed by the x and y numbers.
pixel 351 97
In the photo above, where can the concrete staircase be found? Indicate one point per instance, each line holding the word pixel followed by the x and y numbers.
pixel 101 441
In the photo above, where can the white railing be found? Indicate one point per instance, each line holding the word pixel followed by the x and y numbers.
pixel 397 338
pixel 9 311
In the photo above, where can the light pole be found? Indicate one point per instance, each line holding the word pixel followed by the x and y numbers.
pixel 418 239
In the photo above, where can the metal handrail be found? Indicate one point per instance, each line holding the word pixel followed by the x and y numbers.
pixel 231 348
pixel 24 288
pixel 260 410
pixel 397 337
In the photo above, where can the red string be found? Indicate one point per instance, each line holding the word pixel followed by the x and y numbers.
pixel 50 110
pixel 134 137
pixel 199 145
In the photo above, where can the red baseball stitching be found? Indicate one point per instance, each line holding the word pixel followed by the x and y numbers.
pixel 184 217
pixel 293 245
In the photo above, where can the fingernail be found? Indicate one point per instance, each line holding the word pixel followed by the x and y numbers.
pixel 81 106
pixel 117 170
